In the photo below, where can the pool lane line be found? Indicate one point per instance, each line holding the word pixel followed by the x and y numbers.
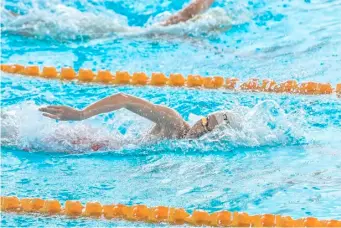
pixel 158 214
pixel 174 79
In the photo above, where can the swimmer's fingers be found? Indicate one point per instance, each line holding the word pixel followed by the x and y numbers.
pixel 51 116
pixel 56 106
pixel 53 111
pixel 52 106
pixel 43 109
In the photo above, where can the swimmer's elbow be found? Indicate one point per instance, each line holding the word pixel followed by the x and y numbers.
pixel 120 100
pixel 120 96
pixel 196 7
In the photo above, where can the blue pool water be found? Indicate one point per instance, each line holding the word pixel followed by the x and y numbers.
pixel 285 160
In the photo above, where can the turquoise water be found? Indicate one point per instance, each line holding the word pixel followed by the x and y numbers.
pixel 285 160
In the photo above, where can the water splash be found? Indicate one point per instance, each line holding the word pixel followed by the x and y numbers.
pixel 23 126
pixel 62 22
pixel 266 124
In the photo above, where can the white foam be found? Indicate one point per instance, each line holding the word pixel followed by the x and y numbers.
pixel 23 126
pixel 68 23
pixel 62 22
pixel 266 124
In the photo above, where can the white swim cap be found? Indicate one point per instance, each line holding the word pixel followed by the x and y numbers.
pixel 227 117
pixel 221 117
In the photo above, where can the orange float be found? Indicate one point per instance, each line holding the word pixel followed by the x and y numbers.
pixel 49 72
pixel 10 203
pixel 128 213
pixel 338 88
pixel 208 82
pixel 307 88
pixel 16 68
pixel 93 209
pixel 251 84
pixel 268 220
pixel 85 75
pixel 13 69
pixel 221 218
pixel 177 216
pixel 139 212
pixel 268 85
pixel 284 221
pixel 218 81
pixel 334 223
pixel 158 79
pixel 5 68
pixel 73 208
pixel 289 86
pixel 31 71
pixel 215 82
pixel 51 207
pixel 26 204
pixel 158 214
pixel 312 222
pixel 231 83
pixel 241 219
pixel 299 222
pixel 194 80
pixel 199 218
pixel 37 204
pixel 256 221
pixel 324 88
pixel 139 78
pixel 120 210
pixel 104 76
pixel 67 73
pixel 109 211
pixel 122 77
pixel 176 79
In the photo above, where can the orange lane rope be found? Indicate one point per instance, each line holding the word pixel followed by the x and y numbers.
pixel 174 79
pixel 158 214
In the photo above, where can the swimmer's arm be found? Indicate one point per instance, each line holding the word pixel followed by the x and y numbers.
pixel 194 8
pixel 156 113
pixel 13 13
pixel 10 12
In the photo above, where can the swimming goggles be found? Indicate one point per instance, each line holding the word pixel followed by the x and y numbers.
pixel 204 122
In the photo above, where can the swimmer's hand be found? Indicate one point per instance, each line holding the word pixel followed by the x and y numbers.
pixel 193 9
pixel 62 113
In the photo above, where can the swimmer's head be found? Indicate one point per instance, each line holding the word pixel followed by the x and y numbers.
pixel 209 123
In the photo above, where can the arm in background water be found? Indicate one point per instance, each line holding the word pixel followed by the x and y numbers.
pixel 156 113
pixel 12 13
pixel 194 8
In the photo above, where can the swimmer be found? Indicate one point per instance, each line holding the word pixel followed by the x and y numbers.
pixel 194 8
pixel 168 123
pixel 68 23
pixel 194 19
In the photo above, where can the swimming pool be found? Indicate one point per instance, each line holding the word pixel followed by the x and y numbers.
pixel 285 161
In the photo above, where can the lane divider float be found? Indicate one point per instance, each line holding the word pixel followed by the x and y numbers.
pixel 158 214
pixel 174 79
